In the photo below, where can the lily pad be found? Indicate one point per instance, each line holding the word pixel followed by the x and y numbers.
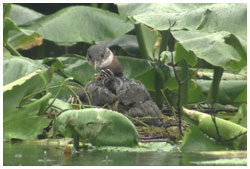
pixel 192 16
pixel 22 15
pixel 230 134
pixel 22 122
pixel 17 67
pixel 210 47
pixel 101 127
pixel 81 24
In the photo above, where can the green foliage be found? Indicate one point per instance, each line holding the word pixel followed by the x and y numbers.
pixel 80 24
pixel 146 39
pixel 77 67
pixel 210 47
pixel 241 116
pixel 101 127
pixel 17 67
pixel 195 32
pixel 8 26
pixel 22 122
pixel 21 38
pixel 205 36
pixel 195 140
pixel 231 91
pixel 7 10
pixel 203 17
pixel 224 131
pixel 22 15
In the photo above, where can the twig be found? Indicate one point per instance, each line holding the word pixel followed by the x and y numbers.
pixel 241 134
pixel 179 93
pixel 212 114
pixel 220 139
pixel 174 69
pixel 179 82
pixel 171 49
pixel 216 127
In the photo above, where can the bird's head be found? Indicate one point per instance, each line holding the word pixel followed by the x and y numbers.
pixel 99 56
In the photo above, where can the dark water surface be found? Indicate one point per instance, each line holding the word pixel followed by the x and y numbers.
pixel 42 155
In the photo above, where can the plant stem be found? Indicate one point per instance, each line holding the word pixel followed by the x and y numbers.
pixel 179 93
pixel 7 7
pixel 76 140
pixel 38 101
pixel 58 92
pixel 44 81
pixel 141 41
pixel 166 100
pixel 184 86
pixel 213 94
pixel 158 86
pixel 12 50
pixel 164 42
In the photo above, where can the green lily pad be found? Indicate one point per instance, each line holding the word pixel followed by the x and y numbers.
pixel 210 47
pixel 22 122
pixel 81 24
pixel 229 132
pixel 192 16
pixel 21 15
pixel 17 67
pixel 101 127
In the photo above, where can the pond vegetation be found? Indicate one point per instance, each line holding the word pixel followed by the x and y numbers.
pixel 192 58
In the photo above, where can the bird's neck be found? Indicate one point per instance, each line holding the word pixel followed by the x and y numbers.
pixel 115 67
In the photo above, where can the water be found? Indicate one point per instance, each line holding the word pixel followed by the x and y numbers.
pixel 44 155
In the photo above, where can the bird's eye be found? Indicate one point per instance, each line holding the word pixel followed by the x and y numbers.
pixel 102 56
pixel 89 56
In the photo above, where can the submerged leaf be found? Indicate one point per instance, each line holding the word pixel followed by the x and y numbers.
pixel 222 162
pixel 143 147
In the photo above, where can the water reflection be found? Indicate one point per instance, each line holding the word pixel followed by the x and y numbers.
pixel 42 155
